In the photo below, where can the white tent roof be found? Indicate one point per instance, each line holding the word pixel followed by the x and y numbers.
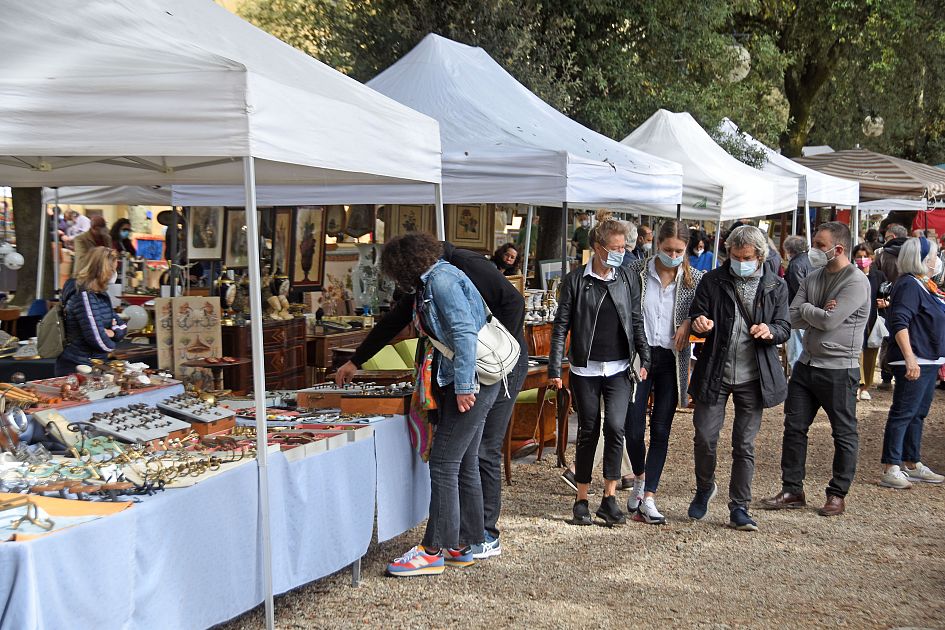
pixel 816 187
pixel 891 205
pixel 177 91
pixel 503 144
pixel 715 185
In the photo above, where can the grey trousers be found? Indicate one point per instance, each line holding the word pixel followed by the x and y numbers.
pixel 709 419
pixel 455 488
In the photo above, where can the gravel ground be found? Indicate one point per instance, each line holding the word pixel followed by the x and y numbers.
pixel 882 565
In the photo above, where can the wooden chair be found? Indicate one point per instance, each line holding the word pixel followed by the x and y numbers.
pixel 8 319
pixel 533 417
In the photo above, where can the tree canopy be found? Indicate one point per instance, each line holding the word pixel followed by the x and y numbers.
pixel 789 72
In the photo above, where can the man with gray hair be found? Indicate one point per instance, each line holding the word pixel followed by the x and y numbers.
pixel 741 309
pixel 832 306
pixel 795 249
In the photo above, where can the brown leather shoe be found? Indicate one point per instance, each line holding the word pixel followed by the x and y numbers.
pixel 784 501
pixel 833 507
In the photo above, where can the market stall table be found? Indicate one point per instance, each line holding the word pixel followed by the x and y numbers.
pixel 216 368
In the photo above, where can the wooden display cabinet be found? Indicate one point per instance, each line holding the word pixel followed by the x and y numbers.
pixel 283 350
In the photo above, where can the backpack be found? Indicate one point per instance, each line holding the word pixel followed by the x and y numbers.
pixel 51 333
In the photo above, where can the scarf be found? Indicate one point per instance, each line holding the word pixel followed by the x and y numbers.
pixel 422 402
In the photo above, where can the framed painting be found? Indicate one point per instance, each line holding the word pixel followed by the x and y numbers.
pixel 405 219
pixel 281 241
pixel 550 271
pixel 335 220
pixel 236 253
pixel 308 248
pixel 470 226
pixel 205 233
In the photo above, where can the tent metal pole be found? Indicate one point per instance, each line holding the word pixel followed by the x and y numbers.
pixel 564 239
pixel 55 231
pixel 259 381
pixel 794 214
pixel 807 222
pixel 440 219
pixel 855 223
pixel 679 212
pixel 43 242
pixel 528 241
pixel 718 239
pixel 172 252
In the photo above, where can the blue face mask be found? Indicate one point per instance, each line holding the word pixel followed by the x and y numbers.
pixel 669 261
pixel 125 233
pixel 614 259
pixel 744 268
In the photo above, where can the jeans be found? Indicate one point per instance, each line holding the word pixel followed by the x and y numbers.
pixel 810 389
pixel 455 492
pixel 795 345
pixel 902 440
pixel 490 448
pixel 661 379
pixel 708 420
pixel 587 391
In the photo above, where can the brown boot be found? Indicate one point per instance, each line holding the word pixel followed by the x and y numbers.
pixel 833 507
pixel 784 501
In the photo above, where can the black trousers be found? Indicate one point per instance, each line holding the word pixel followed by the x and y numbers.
pixel 587 391
pixel 811 389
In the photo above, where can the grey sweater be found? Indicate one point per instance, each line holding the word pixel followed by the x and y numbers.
pixel 833 339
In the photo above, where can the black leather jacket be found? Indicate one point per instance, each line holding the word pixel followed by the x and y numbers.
pixel 577 312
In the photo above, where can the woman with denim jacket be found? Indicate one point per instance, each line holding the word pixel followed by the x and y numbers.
pixel 600 308
pixel 449 309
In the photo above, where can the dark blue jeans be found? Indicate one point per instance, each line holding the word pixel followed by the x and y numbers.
pixel 490 448
pixel 902 440
pixel 455 492
pixel 661 379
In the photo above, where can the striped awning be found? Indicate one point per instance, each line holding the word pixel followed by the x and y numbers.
pixel 880 176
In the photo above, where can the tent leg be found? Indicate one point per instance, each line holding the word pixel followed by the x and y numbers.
pixel 528 242
pixel 440 219
pixel 855 224
pixel 259 381
pixel 679 212
pixel 807 222
pixel 172 250
pixel 564 239
pixel 43 241
pixel 718 240
pixel 794 222
pixel 55 232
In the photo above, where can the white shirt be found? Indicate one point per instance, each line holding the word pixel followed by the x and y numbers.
pixel 600 368
pixel 658 309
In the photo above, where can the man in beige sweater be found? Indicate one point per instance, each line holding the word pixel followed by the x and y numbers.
pixel 96 236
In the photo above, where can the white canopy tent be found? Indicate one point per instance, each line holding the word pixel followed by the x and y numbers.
pixel 814 188
pixel 157 92
pixel 716 186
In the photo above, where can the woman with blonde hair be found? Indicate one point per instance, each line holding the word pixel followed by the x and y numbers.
pixel 92 328
pixel 668 285
pixel 600 308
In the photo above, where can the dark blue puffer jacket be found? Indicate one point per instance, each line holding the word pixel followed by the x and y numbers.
pixel 87 315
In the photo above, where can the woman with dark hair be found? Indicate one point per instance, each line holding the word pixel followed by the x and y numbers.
pixel 506 259
pixel 700 258
pixel 917 326
pixel 449 309
pixel 863 259
pixel 668 284
pixel 92 328
pixel 121 237
pixel 600 308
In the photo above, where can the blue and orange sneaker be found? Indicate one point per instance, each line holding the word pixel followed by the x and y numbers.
pixel 459 557
pixel 417 562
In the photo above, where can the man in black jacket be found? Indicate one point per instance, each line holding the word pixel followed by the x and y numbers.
pixel 508 305
pixel 741 309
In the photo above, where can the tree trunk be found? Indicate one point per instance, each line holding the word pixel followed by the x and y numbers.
pixel 28 211
pixel 549 236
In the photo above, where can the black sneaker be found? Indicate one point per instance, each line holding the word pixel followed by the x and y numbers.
pixel 740 520
pixel 610 513
pixel 582 514
pixel 568 477
pixel 626 483
pixel 700 502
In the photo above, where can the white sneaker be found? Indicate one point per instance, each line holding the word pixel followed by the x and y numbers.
pixel 636 496
pixel 921 472
pixel 647 513
pixel 865 395
pixel 895 478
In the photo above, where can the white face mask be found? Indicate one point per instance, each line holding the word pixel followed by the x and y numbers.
pixel 648 247
pixel 700 251
pixel 818 258
pixel 114 278
pixel 936 268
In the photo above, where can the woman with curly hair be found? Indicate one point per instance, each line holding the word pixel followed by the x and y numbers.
pixel 449 309
pixel 506 259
